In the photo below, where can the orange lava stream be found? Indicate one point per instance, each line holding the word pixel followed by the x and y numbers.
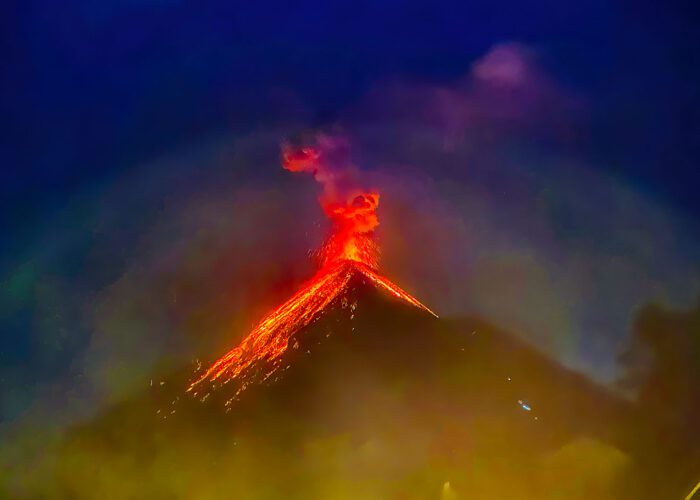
pixel 392 288
pixel 270 338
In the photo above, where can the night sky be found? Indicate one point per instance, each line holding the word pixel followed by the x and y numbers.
pixel 140 146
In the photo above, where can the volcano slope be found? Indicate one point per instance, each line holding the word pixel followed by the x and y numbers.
pixel 375 399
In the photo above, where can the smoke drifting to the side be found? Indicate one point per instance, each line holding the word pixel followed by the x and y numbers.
pixel 328 159
pixel 351 209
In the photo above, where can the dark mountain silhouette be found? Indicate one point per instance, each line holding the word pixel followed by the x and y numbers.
pixel 376 399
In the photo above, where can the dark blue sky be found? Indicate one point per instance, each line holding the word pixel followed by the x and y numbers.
pixel 93 87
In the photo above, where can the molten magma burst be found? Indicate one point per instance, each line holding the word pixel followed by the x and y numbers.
pixel 352 235
pixel 350 250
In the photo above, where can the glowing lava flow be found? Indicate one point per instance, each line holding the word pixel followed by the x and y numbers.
pixel 349 251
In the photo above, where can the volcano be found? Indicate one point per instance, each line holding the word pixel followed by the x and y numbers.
pixel 349 253
pixel 377 398
pixel 353 388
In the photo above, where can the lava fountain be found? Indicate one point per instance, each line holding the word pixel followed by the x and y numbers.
pixel 349 250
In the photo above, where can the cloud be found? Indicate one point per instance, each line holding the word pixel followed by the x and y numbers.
pixel 491 205
pixel 504 96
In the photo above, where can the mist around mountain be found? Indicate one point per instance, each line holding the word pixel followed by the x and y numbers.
pixel 377 399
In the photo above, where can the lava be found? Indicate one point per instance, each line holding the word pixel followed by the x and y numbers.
pixel 349 250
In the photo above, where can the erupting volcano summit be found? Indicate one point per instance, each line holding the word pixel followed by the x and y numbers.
pixel 349 251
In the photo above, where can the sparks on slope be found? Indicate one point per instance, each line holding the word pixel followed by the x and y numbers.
pixel 349 250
